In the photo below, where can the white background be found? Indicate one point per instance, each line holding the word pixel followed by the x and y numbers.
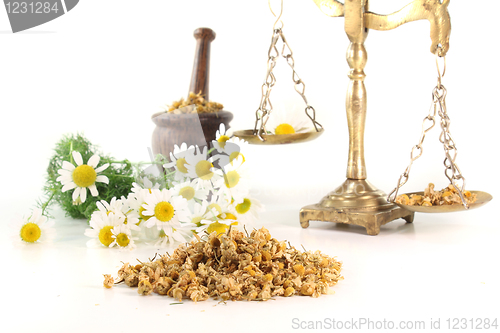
pixel 105 67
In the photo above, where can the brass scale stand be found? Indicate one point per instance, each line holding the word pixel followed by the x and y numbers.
pixel 356 201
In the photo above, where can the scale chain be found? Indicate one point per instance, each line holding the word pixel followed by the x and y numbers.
pixel 406 174
pixel 438 107
pixel 450 150
pixel 299 85
pixel 265 107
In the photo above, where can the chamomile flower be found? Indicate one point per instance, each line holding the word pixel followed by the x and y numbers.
pixel 201 168
pixel 136 201
pixel 221 137
pixel 204 214
pixel 162 240
pixel 122 237
pixel 218 216
pixel 189 191
pixel 101 229
pixel 174 235
pixel 132 217
pixel 82 176
pixel 228 147
pixel 144 183
pixel 217 204
pixel 288 123
pixel 114 206
pixel 223 222
pixel 119 207
pixel 34 229
pixel 247 212
pixel 179 160
pixel 235 183
pixel 166 211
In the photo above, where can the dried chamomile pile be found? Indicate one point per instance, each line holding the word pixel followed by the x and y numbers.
pixel 232 266
pixel 447 196
pixel 195 103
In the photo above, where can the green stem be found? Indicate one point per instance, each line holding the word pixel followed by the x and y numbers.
pixel 134 164
pixel 170 173
pixel 46 204
pixel 117 175
pixel 71 152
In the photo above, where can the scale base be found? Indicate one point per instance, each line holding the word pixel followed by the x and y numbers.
pixel 355 202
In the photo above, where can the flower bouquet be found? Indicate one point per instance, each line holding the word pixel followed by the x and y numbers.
pixel 195 191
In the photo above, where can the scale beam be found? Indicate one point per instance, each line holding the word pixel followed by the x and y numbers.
pixel 432 10
pixel 435 11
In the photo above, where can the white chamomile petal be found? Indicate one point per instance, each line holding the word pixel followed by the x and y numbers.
pixel 83 193
pixel 93 190
pixel 102 179
pixel 102 167
pixel 221 131
pixel 77 157
pixel 93 161
pixel 76 193
pixel 67 166
pixel 68 187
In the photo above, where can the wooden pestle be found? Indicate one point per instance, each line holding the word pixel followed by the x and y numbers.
pixel 201 66
pixel 174 129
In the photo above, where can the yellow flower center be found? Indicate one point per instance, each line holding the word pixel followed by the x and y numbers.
pixel 187 192
pixel 244 207
pixel 222 140
pixel 234 155
pixel 30 232
pixel 203 170
pixel 231 179
pixel 122 239
pixel 181 165
pixel 197 220
pixel 141 210
pixel 164 211
pixel 217 227
pixel 214 206
pixel 106 236
pixel 229 216
pixel 284 129
pixel 84 175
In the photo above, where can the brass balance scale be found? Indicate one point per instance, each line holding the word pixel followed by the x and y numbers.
pixel 357 201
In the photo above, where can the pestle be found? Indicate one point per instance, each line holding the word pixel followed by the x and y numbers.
pixel 201 66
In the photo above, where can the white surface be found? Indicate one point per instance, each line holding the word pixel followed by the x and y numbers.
pixel 105 67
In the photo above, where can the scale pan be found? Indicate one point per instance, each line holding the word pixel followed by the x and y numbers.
pixel 482 198
pixel 281 139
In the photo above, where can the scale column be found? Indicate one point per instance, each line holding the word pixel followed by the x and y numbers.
pixel 356 201
pixel 356 110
